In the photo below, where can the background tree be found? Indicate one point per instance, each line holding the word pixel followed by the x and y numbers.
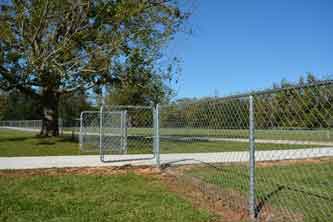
pixel 49 49
pixel 16 106
pixel 139 82
pixel 3 103
pixel 71 106
pixel 21 107
pixel 298 105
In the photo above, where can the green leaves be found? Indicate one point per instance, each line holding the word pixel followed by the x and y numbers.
pixel 75 43
pixel 140 83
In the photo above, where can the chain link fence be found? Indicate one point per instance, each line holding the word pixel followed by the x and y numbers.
pixel 212 137
pixel 90 131
pixel 296 182
pixel 266 155
pixel 128 130
pixel 28 124
pixel 119 130
pixel 66 127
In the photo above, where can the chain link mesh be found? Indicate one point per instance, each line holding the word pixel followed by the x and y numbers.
pixel 90 131
pixel 66 127
pixel 28 124
pixel 214 133
pixel 128 130
pixel 294 149
pixel 295 180
pixel 114 132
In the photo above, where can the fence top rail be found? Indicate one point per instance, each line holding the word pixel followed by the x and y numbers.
pixel 125 107
pixel 245 96
pixel 90 111
pixel 27 120
pixel 281 89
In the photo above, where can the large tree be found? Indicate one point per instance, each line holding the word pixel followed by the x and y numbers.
pixel 54 48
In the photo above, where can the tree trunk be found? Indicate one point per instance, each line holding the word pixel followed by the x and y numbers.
pixel 50 102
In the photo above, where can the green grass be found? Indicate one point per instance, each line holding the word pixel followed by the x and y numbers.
pixel 221 146
pixel 303 188
pixel 18 143
pixel 323 135
pixel 277 134
pixel 93 198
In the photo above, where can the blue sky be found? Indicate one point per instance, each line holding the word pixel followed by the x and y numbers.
pixel 240 45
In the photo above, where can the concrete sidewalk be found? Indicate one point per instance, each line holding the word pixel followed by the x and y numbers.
pixel 181 158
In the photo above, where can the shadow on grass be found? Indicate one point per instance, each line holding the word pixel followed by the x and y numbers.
pixel 16 139
pixel 54 139
pixel 46 143
pixel 265 200
pixel 42 140
pixel 68 139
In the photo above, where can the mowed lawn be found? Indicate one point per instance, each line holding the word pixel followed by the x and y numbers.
pixel 313 135
pixel 310 135
pixel 121 198
pixel 304 188
pixel 19 143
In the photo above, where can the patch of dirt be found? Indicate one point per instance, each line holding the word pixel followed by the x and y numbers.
pixel 103 171
pixel 229 206
pixel 227 203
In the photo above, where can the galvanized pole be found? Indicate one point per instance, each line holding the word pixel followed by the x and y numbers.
pixel 252 150
pixel 81 132
pixel 157 135
pixel 124 133
pixel 101 153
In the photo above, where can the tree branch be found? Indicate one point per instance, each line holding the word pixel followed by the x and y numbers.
pixel 42 19
pixel 14 84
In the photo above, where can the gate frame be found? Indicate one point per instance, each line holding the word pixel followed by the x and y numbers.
pixel 81 127
pixel 122 135
pixel 155 127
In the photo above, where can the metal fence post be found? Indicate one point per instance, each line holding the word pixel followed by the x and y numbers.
pixel 252 150
pixel 101 153
pixel 81 131
pixel 157 134
pixel 124 131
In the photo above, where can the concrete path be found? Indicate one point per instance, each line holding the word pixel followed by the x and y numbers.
pixel 179 158
pixel 188 158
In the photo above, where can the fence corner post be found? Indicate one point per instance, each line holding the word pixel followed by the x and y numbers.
pixel 157 134
pixel 252 161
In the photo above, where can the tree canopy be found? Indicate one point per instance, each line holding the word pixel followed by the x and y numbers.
pixel 52 48
pixel 139 84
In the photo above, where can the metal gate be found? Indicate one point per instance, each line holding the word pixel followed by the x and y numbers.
pixel 121 130
pixel 114 132
pixel 90 131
